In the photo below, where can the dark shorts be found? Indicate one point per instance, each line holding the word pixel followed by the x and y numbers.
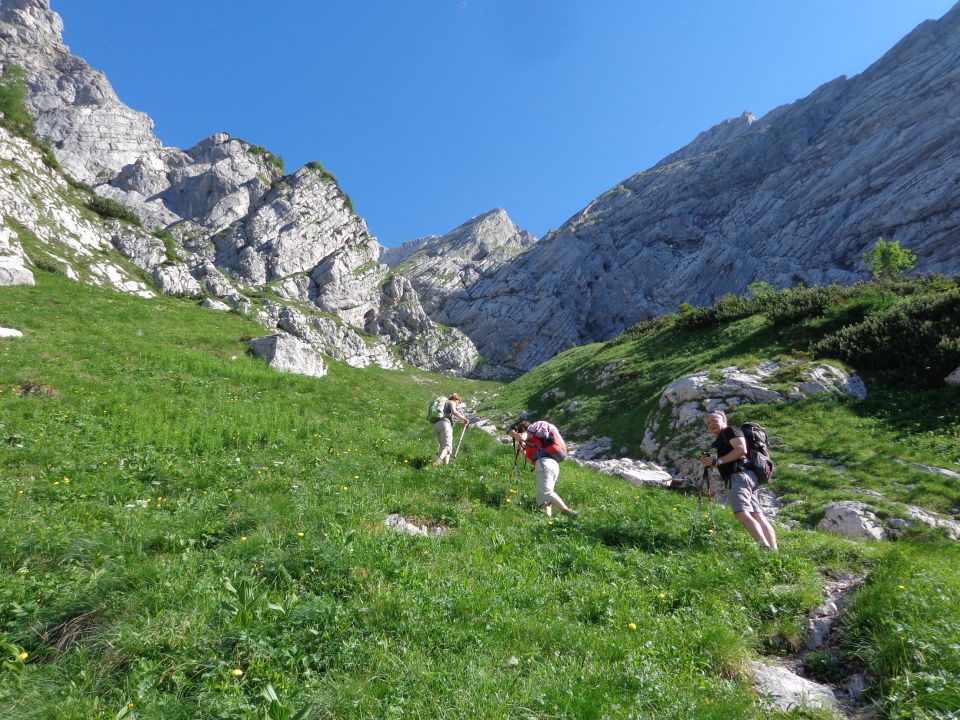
pixel 743 492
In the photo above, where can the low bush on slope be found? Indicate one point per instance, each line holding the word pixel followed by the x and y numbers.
pixel 184 527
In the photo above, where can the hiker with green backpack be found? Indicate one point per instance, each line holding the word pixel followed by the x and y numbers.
pixel 441 413
pixel 742 467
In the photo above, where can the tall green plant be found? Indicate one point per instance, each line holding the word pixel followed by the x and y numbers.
pixel 888 259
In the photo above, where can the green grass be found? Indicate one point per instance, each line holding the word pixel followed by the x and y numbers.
pixel 905 629
pixel 508 617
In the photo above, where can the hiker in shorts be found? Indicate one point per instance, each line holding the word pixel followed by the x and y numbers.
pixel 443 427
pixel 536 440
pixel 730 462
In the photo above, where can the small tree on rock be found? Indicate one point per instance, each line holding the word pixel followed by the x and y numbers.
pixel 888 259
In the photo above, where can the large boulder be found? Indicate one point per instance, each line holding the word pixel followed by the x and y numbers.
pixel 290 355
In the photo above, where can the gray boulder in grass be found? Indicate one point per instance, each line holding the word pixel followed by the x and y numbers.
pixel 287 354
pixel 851 519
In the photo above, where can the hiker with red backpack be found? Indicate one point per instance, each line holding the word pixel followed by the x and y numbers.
pixel 441 413
pixel 740 466
pixel 545 450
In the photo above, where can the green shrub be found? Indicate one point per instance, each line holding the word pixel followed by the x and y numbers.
pixel 325 174
pixel 794 305
pixel 110 208
pixel 888 259
pixel 276 161
pixel 915 341
pixel 169 243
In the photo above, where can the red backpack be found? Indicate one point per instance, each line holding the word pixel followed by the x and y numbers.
pixel 552 446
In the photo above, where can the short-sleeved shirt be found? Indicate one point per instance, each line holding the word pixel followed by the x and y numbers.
pixel 723 446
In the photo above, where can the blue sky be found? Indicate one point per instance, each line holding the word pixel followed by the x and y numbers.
pixel 432 111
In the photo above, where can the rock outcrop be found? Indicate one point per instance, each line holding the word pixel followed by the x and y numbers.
pixel 799 193
pixel 675 433
pixel 422 342
pixel 44 224
pixel 784 690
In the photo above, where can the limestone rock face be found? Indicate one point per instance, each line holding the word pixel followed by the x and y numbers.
pixel 422 342
pixel 176 280
pixel 93 133
pixel 800 192
pixel 675 433
pixel 337 340
pixel 290 355
pixel 440 265
pixel 214 183
pixel 231 221
pixel 42 225
pixel 953 379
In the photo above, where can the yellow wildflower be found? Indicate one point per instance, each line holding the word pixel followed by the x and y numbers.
pixel 23 656
pixel 632 626
pixel 237 672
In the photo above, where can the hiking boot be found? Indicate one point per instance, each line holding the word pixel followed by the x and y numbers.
pixel 573 515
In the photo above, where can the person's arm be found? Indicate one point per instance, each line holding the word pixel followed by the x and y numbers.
pixel 455 413
pixel 520 436
pixel 739 445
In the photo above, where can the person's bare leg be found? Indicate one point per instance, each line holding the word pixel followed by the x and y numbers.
pixel 560 504
pixel 766 528
pixel 753 527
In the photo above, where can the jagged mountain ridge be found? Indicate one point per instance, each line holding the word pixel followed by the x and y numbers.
pixel 236 225
pixel 800 193
pixel 439 265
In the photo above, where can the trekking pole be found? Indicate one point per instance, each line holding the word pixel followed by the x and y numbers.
pixel 704 489
pixel 457 451
pixel 513 474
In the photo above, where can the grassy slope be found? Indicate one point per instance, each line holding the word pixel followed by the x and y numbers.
pixel 510 616
pixel 826 451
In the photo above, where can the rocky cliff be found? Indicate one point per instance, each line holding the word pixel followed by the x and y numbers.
pixel 228 224
pixel 441 265
pixel 797 195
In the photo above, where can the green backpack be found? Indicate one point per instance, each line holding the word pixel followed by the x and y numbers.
pixel 436 409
